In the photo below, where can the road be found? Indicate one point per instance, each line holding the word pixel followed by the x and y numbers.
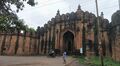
pixel 33 61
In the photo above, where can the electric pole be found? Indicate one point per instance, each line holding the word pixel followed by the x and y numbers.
pixel 97 19
pixel 99 38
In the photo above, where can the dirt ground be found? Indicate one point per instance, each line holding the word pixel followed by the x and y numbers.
pixel 36 61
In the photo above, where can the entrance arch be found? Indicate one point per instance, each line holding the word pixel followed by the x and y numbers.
pixel 68 42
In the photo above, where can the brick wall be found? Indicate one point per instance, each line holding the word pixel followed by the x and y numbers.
pixel 23 44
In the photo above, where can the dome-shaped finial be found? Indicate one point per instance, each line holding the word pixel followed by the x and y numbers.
pixel 79 7
pixel 102 15
pixel 58 12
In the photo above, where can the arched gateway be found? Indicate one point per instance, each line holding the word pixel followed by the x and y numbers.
pixel 68 42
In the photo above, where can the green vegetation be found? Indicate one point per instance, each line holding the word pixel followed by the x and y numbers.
pixel 13 25
pixel 95 61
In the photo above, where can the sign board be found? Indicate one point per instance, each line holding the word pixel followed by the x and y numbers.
pixel 81 50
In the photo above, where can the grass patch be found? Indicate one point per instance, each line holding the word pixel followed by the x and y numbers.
pixel 95 61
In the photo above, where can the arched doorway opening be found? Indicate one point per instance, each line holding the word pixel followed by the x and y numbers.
pixel 68 42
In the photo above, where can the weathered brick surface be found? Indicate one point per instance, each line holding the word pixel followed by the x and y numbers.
pixel 27 45
pixel 116 49
pixel 10 43
pixel 20 48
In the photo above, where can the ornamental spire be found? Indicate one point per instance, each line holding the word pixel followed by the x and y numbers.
pixel 79 7
pixel 58 12
pixel 102 15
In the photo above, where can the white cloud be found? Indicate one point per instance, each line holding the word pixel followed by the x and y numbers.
pixel 46 9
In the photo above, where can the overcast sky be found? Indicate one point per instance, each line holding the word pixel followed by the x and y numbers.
pixel 46 9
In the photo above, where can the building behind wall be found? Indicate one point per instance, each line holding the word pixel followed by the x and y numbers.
pixel 115 36
pixel 75 30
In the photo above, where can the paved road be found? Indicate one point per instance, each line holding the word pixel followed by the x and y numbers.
pixel 32 61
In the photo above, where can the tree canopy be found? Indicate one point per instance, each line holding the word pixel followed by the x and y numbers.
pixel 13 25
pixel 5 5
pixel 9 21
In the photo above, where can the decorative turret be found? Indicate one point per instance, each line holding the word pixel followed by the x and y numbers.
pixel 92 18
pixel 79 13
pixel 63 17
pixel 58 12
pixel 45 27
pixel 116 18
pixel 57 17
pixel 86 16
pixel 38 32
pixel 72 16
pixel 49 22
pixel 79 7
pixel 103 22
pixel 102 15
pixel 42 31
pixel 53 21
pixel 67 16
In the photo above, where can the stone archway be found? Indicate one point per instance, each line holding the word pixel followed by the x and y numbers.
pixel 68 42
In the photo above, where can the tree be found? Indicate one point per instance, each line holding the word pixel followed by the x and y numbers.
pixel 6 5
pixel 19 25
pixel 7 11
pixel 4 27
pixel 4 23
